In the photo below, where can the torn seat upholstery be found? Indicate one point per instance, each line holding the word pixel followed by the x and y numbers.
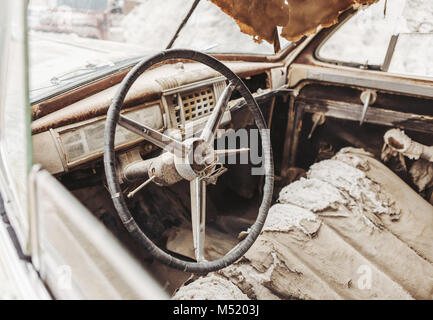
pixel 351 230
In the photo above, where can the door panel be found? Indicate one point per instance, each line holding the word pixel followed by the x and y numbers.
pixel 79 257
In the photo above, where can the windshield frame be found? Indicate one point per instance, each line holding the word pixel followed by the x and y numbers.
pixel 345 17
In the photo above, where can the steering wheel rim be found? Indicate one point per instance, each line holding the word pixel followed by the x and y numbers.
pixel 127 219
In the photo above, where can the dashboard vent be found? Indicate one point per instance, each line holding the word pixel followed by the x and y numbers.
pixel 198 103
pixel 188 104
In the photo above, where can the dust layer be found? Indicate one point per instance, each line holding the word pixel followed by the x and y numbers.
pixel 211 287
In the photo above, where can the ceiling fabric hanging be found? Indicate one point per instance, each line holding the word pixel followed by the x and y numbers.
pixel 297 18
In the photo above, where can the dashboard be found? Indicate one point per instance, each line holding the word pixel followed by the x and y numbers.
pixel 185 107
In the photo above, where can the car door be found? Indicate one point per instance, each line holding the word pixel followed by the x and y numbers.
pixel 50 244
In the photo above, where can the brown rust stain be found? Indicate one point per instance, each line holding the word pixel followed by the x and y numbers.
pixel 259 18
pixel 58 102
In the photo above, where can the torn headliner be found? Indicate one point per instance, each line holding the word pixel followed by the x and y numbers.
pixel 297 18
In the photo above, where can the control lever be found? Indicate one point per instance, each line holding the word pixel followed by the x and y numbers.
pixel 368 97
pixel 141 186
pixel 318 120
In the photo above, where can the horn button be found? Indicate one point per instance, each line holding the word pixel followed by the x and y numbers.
pixel 199 160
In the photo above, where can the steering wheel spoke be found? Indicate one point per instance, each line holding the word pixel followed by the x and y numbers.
pixel 212 124
pixel 157 138
pixel 198 216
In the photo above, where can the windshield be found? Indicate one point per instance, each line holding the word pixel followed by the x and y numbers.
pixel 72 39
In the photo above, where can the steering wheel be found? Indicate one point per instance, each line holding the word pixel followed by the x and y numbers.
pixel 188 163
